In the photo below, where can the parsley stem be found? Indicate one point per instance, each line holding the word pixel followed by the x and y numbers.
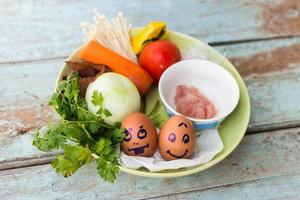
pixel 85 131
pixel 68 138
pixel 95 156
pixel 86 121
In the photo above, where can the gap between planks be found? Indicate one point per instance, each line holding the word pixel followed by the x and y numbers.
pixel 47 158
pixel 278 127
pixel 33 61
pixel 258 157
pixel 212 44
pixel 260 123
pixel 233 42
pixel 56 27
pixel 258 127
pixel 240 183
pixel 26 162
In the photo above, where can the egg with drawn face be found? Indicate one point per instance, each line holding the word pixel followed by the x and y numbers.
pixel 140 135
pixel 177 138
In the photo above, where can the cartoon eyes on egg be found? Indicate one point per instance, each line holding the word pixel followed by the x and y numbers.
pixel 172 137
pixel 185 138
pixel 142 133
pixel 128 135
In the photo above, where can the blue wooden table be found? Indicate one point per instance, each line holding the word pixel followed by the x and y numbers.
pixel 260 37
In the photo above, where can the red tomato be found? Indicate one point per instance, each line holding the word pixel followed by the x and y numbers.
pixel 157 56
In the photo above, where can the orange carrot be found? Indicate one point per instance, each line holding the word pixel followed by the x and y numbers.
pixel 98 54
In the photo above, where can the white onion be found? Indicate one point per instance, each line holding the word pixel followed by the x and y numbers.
pixel 121 96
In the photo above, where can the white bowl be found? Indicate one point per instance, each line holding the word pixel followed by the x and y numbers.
pixel 215 82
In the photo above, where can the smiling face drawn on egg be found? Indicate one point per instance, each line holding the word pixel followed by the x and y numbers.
pixel 140 135
pixel 177 139
pixel 185 140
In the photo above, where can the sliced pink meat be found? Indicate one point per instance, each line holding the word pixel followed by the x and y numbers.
pixel 191 102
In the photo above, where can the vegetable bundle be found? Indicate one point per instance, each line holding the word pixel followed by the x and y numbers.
pixel 81 134
pixel 112 82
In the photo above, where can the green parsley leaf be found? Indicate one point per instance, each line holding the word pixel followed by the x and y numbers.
pixel 97 98
pixel 117 135
pixel 106 113
pixel 107 169
pixel 85 115
pixel 73 158
pixel 94 127
pixel 103 147
pixel 52 139
pixel 66 97
pixel 76 131
pixel 88 133
pixel 107 162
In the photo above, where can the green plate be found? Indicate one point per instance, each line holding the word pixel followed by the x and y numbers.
pixel 231 130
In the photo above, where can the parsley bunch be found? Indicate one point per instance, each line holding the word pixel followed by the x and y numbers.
pixel 81 134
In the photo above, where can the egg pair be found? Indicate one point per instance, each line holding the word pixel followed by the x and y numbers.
pixel 177 137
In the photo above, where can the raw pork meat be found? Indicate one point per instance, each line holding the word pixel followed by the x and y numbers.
pixel 192 103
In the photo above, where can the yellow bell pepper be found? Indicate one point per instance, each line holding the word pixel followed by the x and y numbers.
pixel 152 32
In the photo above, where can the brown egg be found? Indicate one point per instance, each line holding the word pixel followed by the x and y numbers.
pixel 177 138
pixel 141 136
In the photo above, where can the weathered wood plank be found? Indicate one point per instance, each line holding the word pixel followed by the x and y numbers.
pixel 271 70
pixel 260 156
pixel 24 91
pixel 282 187
pixel 262 57
pixel 34 30
pixel 23 104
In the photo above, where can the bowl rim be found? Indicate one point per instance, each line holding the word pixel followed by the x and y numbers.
pixel 200 121
pixel 198 168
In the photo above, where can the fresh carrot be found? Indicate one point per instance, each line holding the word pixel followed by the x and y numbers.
pixel 98 54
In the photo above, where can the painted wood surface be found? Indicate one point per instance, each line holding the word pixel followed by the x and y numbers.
pixel 23 105
pixel 32 30
pixel 260 37
pixel 255 163
pixel 271 70
pixel 282 187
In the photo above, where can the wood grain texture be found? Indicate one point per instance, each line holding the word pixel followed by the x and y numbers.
pixel 36 36
pixel 259 158
pixel 23 104
pixel 33 30
pixel 271 70
pixel 25 89
pixel 282 187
